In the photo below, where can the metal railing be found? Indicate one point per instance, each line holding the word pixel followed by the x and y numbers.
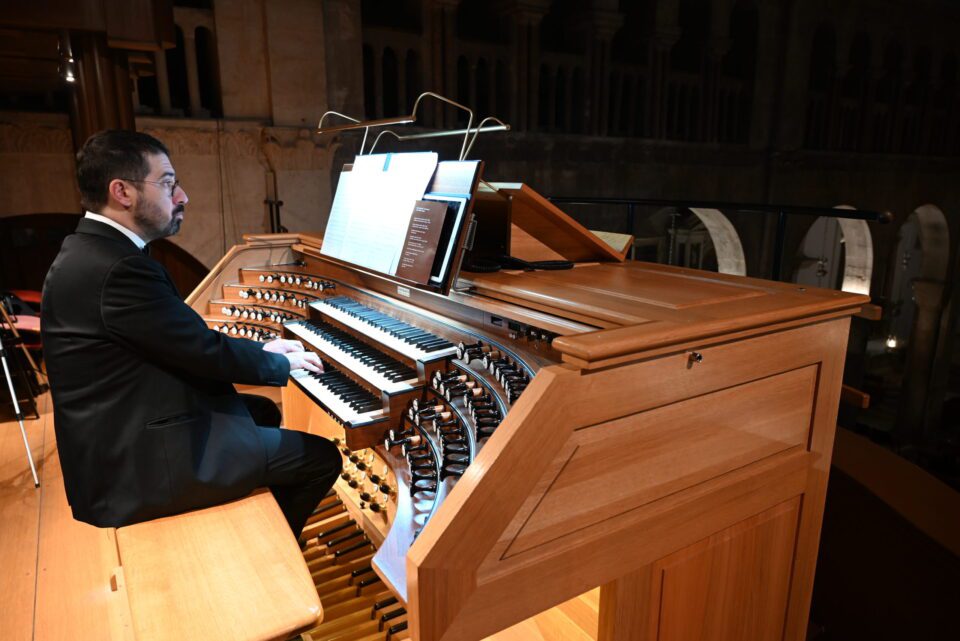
pixel 782 212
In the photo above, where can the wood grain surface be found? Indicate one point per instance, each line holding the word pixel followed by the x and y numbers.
pixel 230 571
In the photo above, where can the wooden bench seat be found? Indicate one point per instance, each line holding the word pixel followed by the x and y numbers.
pixel 232 571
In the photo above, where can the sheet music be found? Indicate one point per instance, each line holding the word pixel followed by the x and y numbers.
pixel 372 208
pixel 344 200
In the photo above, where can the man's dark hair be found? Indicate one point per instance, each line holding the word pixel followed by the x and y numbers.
pixel 111 154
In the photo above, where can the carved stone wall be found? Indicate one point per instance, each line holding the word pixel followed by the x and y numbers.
pixel 229 168
pixel 36 164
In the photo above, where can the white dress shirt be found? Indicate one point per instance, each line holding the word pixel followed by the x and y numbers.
pixel 139 242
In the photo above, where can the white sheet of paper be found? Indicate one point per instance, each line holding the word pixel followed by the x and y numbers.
pixel 344 200
pixel 372 208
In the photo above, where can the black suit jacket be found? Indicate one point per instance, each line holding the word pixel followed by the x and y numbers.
pixel 147 421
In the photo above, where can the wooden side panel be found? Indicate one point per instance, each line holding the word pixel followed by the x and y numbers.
pixel 631 461
pixel 769 446
pixel 732 586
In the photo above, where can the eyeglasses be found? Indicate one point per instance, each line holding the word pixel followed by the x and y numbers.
pixel 172 186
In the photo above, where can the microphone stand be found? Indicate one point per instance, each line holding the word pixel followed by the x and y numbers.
pixel 16 410
pixel 13 392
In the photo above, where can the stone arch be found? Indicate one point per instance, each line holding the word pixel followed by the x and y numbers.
pixel 858 255
pixel 934 241
pixel 920 293
pixel 726 241
pixel 922 255
pixel 857 241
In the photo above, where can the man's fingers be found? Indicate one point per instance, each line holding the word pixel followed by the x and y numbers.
pixel 295 346
pixel 314 360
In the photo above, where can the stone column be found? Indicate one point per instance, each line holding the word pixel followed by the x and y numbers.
pixel 163 81
pixel 771 55
pixel 867 106
pixel 788 117
pixel 193 79
pixel 928 295
pixel 717 48
pixel 717 45
pixel 901 75
pixel 343 44
pixel 377 81
pixel 601 23
pixel 525 17
pixel 439 31
pixel 660 45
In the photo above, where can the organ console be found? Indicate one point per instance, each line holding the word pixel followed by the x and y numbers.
pixel 525 437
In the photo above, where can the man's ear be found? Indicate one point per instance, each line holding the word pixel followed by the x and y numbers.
pixel 120 192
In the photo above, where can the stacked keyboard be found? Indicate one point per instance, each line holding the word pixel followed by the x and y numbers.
pixel 413 342
pixel 347 400
pixel 377 368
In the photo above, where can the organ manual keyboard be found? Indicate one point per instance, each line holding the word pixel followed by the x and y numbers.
pixel 513 440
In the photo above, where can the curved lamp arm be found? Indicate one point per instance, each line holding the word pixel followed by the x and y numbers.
pixel 430 94
pixel 502 126
pixel 366 130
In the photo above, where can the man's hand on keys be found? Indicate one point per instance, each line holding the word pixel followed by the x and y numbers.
pixel 298 357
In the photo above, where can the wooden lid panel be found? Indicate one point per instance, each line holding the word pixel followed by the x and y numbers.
pixel 545 222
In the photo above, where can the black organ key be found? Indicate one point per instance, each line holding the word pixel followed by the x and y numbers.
pixel 352 393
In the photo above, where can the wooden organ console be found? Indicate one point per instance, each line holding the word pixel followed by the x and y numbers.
pixel 661 434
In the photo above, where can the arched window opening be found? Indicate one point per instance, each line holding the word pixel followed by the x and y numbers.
pixel 560 123
pixel 208 72
pixel 545 101
pixel 823 70
pixel 694 17
pixel 739 65
pixel 463 88
pixel 177 75
pixel 577 102
pixel 414 79
pixel 916 104
pixel 369 83
pixel 886 96
pixel 148 92
pixel 391 83
pixel 945 138
pixel 853 93
pixel 482 82
pixel 503 91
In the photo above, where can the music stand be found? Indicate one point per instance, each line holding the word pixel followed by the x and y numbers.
pixel 13 395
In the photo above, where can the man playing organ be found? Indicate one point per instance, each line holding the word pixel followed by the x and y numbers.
pixel 148 422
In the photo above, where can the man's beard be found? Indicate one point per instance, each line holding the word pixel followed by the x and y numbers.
pixel 149 217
